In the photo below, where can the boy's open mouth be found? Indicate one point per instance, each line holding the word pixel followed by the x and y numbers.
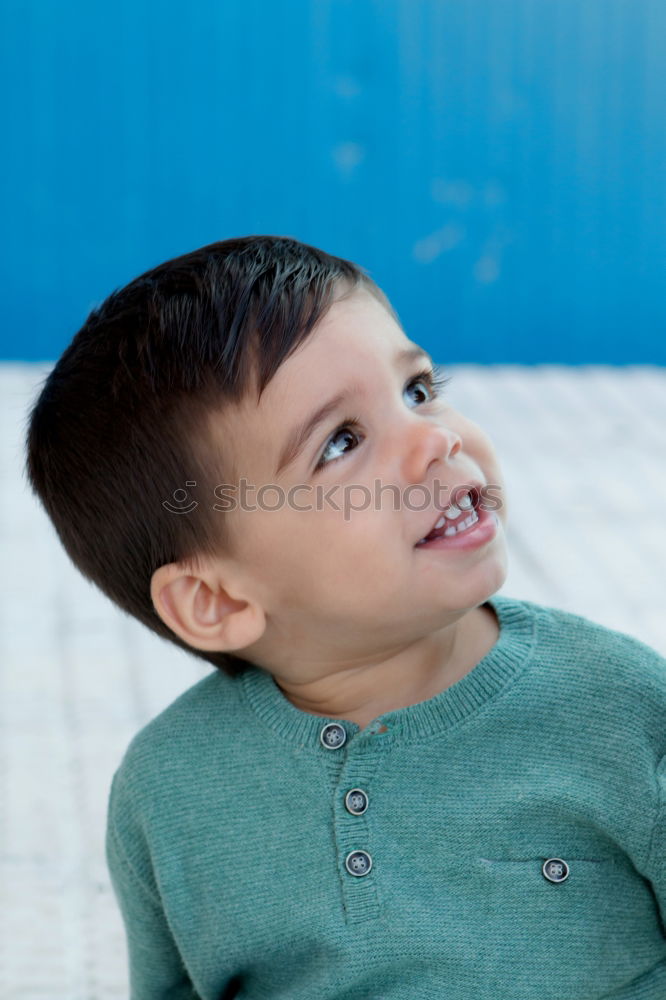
pixel 456 518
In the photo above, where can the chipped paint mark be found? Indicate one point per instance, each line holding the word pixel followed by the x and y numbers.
pixel 486 269
pixel 348 155
pixel 430 247
pixel 451 192
pixel 346 86
pixel 494 194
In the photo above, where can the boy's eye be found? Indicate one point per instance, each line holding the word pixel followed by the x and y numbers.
pixel 335 448
pixel 433 378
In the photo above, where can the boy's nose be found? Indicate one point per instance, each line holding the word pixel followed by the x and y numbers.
pixel 427 443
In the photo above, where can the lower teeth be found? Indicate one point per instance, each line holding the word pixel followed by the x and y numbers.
pixel 463 526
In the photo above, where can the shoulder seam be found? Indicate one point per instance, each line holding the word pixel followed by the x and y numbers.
pixel 661 766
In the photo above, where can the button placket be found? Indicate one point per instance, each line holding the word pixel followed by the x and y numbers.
pixel 359 867
pixel 351 773
pixel 357 863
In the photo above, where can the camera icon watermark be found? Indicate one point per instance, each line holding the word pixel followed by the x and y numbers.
pixel 179 497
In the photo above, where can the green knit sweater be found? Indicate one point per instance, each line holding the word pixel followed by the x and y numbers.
pixel 504 840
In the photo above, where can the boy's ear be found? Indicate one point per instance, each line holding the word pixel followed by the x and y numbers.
pixel 202 612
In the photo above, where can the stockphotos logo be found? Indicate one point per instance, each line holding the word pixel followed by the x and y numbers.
pixel 348 498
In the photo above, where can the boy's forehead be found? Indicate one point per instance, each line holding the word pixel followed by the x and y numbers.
pixel 353 329
pixel 356 337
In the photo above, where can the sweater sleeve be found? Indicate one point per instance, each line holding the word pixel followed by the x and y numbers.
pixel 156 969
pixel 657 856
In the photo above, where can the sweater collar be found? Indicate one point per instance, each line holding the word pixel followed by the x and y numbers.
pixel 511 652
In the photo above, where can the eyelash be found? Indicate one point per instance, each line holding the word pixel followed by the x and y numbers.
pixel 436 382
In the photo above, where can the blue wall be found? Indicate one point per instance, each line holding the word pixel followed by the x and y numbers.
pixel 498 165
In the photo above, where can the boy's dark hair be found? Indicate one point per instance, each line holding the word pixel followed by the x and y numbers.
pixel 122 418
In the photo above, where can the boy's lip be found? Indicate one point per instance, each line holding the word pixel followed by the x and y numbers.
pixel 474 487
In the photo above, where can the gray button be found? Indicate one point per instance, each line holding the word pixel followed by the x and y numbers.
pixel 555 870
pixel 356 801
pixel 333 736
pixel 358 863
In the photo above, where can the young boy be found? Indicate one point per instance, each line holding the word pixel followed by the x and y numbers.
pixel 397 784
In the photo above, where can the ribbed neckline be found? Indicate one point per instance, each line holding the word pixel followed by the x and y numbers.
pixel 517 625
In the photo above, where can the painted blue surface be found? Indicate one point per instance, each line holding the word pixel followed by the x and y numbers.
pixel 499 166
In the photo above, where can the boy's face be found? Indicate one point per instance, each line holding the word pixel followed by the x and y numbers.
pixel 340 586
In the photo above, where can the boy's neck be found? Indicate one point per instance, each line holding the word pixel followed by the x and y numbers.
pixel 459 650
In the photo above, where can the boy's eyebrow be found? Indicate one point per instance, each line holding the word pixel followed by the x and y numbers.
pixel 301 434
